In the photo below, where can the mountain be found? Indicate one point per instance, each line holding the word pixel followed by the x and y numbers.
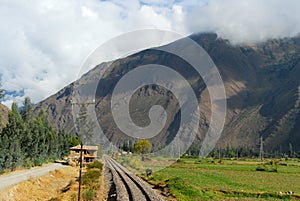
pixel 262 83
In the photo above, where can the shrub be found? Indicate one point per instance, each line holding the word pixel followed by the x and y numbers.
pixel 95 164
pixel 88 194
pixel 90 177
pixel 261 168
pixel 28 163
pixel 38 162
pixel 266 169
pixel 133 163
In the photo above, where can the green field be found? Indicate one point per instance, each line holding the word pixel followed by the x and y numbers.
pixel 209 179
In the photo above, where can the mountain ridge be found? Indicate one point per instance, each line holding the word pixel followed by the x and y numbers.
pixel 261 82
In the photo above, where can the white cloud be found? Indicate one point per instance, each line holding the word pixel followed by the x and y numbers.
pixel 44 43
pixel 246 21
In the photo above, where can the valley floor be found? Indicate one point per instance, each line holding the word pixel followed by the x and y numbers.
pixel 214 179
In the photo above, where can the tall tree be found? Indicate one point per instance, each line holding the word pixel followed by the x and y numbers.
pixel 74 141
pixel 26 109
pixel 15 130
pixel 143 146
pixel 1 154
pixel 36 132
pixel 5 155
pixel 1 92
pixel 291 150
pixel 16 155
pixel 1 96
pixel 24 142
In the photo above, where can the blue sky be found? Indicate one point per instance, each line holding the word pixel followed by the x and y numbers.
pixel 45 42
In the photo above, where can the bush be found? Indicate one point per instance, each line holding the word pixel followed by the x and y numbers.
pixel 88 194
pixel 38 162
pixel 133 163
pixel 90 177
pixel 95 164
pixel 28 163
pixel 264 168
pixel 261 168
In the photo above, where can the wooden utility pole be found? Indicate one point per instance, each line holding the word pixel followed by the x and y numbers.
pixel 80 170
pixel 82 117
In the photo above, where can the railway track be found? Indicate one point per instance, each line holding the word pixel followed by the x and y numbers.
pixel 129 186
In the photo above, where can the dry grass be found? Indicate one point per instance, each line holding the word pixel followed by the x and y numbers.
pixel 102 193
pixel 57 185
pixel 44 188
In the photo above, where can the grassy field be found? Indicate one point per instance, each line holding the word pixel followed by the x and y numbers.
pixel 209 179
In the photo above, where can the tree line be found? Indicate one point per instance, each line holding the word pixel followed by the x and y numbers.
pixel 245 152
pixel 145 146
pixel 26 142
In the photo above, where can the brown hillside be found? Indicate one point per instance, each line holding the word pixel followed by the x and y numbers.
pixel 261 81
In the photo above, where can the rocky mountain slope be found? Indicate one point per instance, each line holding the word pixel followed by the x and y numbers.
pixel 262 83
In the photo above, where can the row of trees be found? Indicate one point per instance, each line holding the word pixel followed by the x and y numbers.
pixel 244 152
pixel 141 146
pixel 26 142
pixel 145 146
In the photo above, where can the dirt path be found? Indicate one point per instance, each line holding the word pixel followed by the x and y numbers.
pixel 19 176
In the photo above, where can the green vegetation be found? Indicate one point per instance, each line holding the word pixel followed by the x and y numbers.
pixel 88 194
pixel 143 146
pixel 95 164
pixel 210 179
pixel 27 143
pixel 90 177
pixel 245 152
pixel 73 141
pixel 1 92
pixel 133 163
pixel 90 180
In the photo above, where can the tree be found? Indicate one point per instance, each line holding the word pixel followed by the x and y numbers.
pixel 52 141
pixel 24 143
pixel 15 131
pixel 291 151
pixel 39 149
pixel 143 146
pixel 127 146
pixel 1 96
pixel 26 109
pixel 16 155
pixel 63 139
pixel 4 144
pixel 1 123
pixel 1 92
pixel 73 141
